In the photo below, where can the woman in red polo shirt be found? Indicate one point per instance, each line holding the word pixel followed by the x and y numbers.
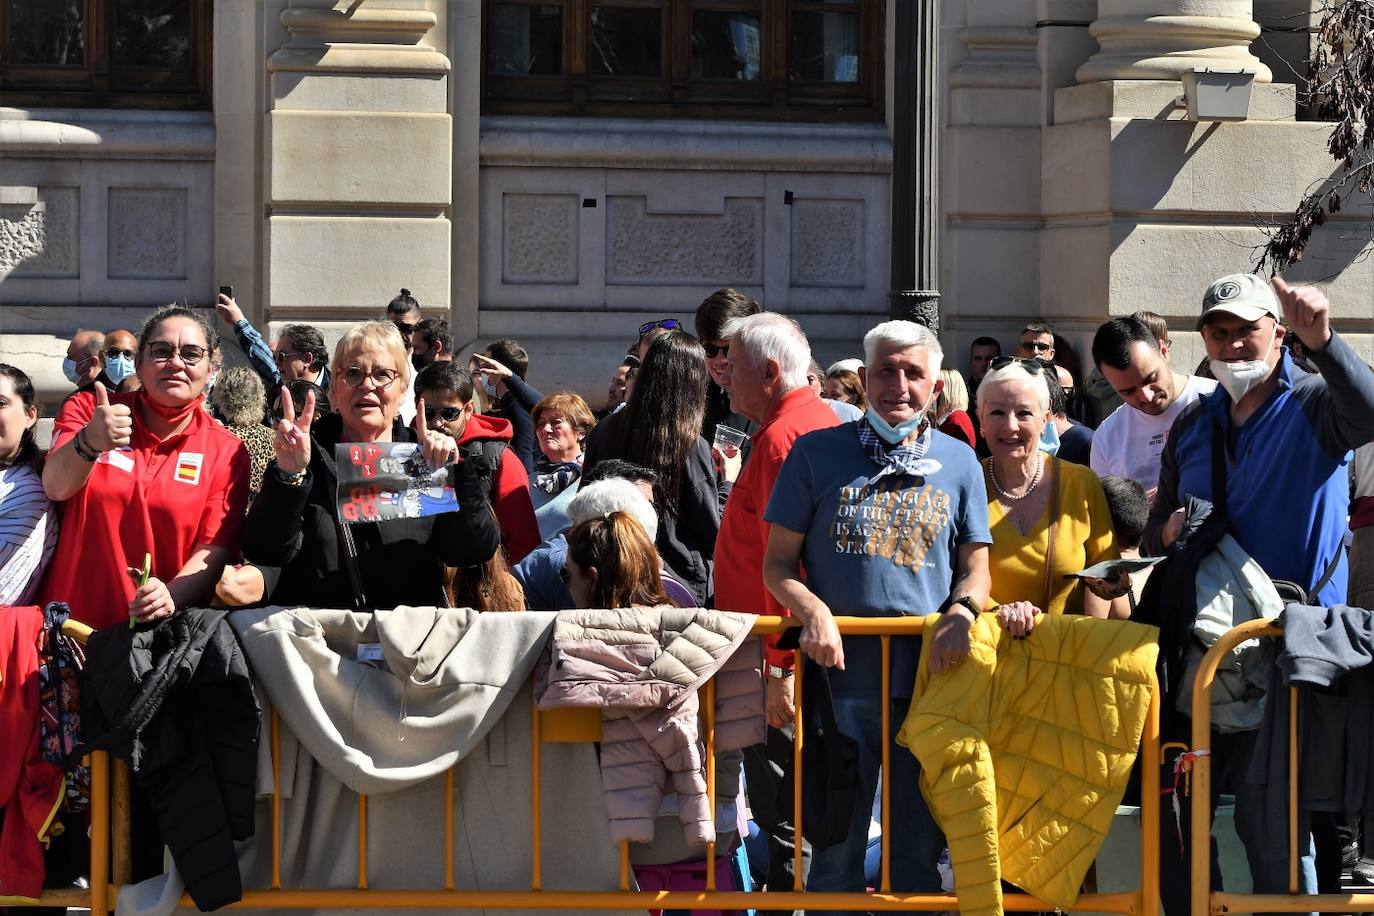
pixel 146 474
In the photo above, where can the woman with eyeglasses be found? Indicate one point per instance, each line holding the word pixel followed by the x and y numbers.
pixel 299 551
pixel 1048 517
pixel 660 429
pixel 146 474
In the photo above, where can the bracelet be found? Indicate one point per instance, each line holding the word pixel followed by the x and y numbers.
pixel 84 451
pixel 293 480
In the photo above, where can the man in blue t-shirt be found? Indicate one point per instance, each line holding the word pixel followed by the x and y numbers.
pixel 889 517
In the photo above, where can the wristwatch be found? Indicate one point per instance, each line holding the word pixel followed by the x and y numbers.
pixel 778 673
pixel 967 602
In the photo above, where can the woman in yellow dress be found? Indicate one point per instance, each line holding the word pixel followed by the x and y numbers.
pixel 1048 517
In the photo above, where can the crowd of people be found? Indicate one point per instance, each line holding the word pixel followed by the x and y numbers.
pixel 727 469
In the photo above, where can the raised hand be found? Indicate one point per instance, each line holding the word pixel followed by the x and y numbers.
pixel 438 447
pixel 228 309
pixel 1306 313
pixel 292 441
pixel 488 366
pixel 111 426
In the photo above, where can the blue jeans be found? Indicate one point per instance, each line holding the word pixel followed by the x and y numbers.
pixel 1231 755
pixel 915 840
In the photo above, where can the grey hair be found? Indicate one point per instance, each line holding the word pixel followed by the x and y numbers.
pixel 904 335
pixel 600 499
pixel 239 396
pixel 1013 371
pixel 769 335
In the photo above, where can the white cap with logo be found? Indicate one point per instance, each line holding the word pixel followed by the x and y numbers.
pixel 1247 296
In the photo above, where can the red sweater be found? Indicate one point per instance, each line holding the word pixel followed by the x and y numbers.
pixel 510 490
pixel 958 425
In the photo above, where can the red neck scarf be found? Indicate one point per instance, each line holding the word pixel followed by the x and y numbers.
pixel 173 416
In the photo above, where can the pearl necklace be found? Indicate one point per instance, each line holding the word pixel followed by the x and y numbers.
pixel 1035 480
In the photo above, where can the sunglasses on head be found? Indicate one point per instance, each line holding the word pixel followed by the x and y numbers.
pixel 712 350
pixel 447 414
pixel 667 324
pixel 1033 366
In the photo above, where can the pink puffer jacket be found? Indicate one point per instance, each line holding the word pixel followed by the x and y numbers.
pixel 643 667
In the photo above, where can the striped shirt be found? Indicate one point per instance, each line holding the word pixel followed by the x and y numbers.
pixel 28 533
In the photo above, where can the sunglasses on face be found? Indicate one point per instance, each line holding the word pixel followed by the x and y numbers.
pixel 163 353
pixel 1033 366
pixel 116 353
pixel 667 324
pixel 1039 346
pixel 354 376
pixel 447 414
pixel 284 356
pixel 712 350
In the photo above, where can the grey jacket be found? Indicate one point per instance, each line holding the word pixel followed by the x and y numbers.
pixel 1327 651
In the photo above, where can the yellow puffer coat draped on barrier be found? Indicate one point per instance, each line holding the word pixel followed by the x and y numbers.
pixel 1025 749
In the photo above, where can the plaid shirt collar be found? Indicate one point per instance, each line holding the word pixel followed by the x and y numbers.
pixel 898 459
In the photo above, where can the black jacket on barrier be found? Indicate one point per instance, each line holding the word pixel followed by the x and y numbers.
pixel 294 534
pixel 176 701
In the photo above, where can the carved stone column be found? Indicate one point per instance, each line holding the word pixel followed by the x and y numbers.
pixel 358 175
pixel 1161 39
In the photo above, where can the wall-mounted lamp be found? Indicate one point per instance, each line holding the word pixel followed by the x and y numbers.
pixel 1216 95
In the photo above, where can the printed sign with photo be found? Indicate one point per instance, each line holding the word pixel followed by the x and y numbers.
pixel 379 481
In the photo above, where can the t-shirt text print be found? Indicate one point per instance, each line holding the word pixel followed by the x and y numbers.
pixel 890 519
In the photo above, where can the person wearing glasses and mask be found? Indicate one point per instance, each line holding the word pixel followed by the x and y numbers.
pixel 121 348
pixel 146 473
pixel 296 549
pixel 447 391
pixel 1048 517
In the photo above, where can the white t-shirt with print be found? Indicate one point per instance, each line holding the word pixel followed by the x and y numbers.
pixel 1129 443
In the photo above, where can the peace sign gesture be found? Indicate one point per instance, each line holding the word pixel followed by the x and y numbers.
pixel 1306 313
pixel 292 441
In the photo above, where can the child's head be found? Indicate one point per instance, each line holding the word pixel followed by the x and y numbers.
pixel 1129 508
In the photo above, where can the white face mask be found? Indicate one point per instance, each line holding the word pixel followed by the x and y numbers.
pixel 1241 377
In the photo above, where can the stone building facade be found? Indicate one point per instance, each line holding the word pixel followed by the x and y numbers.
pixel 342 151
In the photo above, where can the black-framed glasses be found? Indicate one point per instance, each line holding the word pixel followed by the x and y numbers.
pixel 447 414
pixel 163 352
pixel 564 574
pixel 667 324
pixel 714 350
pixel 117 352
pixel 1033 366
pixel 354 376
pixel 1039 346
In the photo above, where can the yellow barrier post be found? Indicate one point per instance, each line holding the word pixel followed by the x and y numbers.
pixel 101 903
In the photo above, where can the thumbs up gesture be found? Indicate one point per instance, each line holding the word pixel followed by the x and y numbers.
pixel 1306 313
pixel 111 426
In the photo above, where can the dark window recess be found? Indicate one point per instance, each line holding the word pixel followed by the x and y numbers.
pixel 755 59
pixel 105 53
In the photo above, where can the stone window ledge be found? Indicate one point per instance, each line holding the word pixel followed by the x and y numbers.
pixel 510 140
pixel 64 133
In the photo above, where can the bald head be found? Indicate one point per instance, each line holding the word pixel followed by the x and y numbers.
pixel 84 350
pixel 122 340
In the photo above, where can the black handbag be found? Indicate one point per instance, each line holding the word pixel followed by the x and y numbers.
pixel 830 766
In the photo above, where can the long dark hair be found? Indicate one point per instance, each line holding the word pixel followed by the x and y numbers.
pixel 28 444
pixel 662 421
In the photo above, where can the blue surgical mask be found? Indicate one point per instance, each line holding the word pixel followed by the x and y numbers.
pixel 489 387
pixel 119 368
pixel 69 370
pixel 1049 438
pixel 894 435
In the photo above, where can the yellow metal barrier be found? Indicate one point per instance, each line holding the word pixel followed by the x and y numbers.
pixel 576 725
pixel 1205 900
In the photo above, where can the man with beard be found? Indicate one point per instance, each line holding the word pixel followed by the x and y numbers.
pixel 1131 440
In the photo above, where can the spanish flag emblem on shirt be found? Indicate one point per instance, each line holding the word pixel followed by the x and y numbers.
pixel 188 467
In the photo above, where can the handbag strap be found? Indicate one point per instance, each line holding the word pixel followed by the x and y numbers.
pixel 817 686
pixel 1054 530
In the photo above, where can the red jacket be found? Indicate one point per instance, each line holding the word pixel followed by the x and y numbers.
pixel 30 788
pixel 510 495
